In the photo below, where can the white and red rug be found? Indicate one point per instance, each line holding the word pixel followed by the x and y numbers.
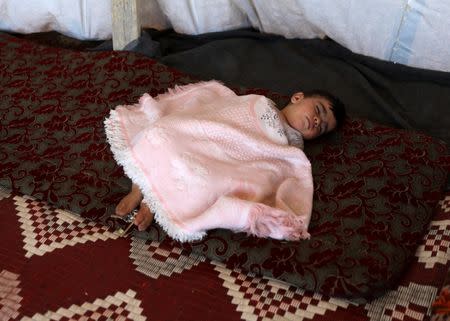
pixel 56 266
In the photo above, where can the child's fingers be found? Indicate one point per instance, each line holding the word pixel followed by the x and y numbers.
pixel 138 218
pixel 121 209
pixel 143 218
pixel 148 219
pixel 129 202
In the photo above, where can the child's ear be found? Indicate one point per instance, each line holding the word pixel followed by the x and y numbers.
pixel 297 97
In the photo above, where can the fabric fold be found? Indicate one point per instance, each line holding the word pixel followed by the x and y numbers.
pixel 202 162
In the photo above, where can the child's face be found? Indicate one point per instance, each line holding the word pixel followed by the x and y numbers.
pixel 311 116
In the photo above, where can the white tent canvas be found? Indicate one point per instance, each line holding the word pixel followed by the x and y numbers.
pixel 409 32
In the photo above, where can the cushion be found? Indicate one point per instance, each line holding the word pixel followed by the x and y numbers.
pixel 375 187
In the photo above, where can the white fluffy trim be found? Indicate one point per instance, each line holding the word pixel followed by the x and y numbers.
pixel 123 156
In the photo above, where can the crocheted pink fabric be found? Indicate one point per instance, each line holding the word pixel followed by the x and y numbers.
pixel 203 161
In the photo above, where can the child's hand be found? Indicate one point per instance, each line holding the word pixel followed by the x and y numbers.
pixel 130 202
pixel 143 218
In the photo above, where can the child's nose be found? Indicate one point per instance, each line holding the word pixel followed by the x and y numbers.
pixel 317 121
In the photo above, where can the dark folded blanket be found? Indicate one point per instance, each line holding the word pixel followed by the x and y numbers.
pixel 375 187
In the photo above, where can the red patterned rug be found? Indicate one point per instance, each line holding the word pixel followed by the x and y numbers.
pixel 57 266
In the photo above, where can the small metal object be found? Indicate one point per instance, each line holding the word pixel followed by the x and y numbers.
pixel 128 219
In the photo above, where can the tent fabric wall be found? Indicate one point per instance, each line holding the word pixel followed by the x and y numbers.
pixel 409 32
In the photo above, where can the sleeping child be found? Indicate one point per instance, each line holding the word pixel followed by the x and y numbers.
pixel 201 157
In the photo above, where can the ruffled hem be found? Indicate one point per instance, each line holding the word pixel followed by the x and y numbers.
pixel 123 156
pixel 277 224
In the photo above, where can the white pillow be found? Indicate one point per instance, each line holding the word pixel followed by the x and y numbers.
pixel 83 19
pixel 200 16
pixel 287 18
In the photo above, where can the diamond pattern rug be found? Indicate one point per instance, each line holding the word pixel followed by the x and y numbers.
pixel 56 266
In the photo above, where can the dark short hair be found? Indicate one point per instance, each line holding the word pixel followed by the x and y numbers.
pixel 336 105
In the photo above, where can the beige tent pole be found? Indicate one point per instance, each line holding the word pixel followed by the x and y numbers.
pixel 126 25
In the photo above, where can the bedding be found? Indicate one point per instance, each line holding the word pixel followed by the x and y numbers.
pixel 408 32
pixel 98 275
pixel 375 186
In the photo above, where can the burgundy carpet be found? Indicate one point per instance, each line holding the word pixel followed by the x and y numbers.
pixel 57 266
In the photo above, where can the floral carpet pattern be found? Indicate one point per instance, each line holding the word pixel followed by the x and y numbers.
pixel 55 265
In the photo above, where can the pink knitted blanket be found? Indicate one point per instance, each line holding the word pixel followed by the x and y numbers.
pixel 203 160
